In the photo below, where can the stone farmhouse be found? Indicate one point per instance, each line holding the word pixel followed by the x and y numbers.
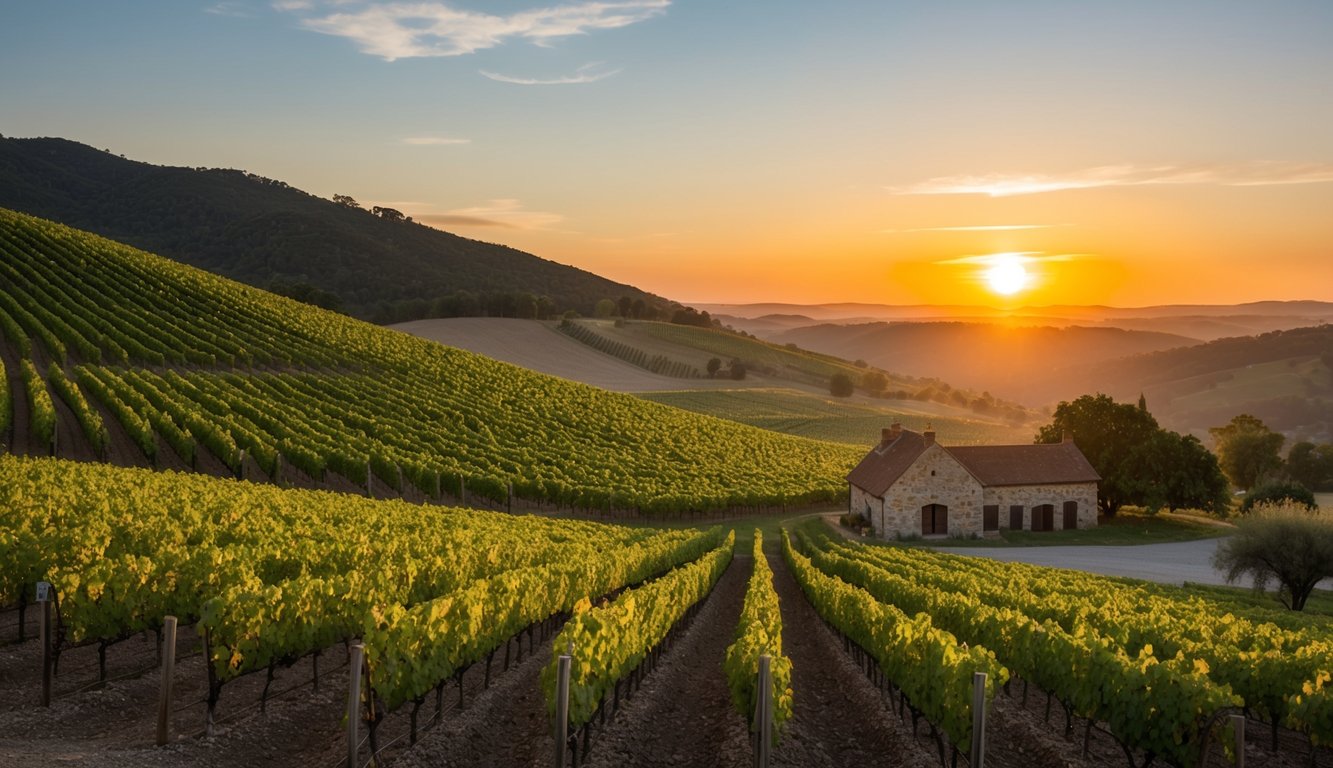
pixel 910 485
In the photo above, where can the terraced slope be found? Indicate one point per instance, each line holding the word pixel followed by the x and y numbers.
pixel 189 368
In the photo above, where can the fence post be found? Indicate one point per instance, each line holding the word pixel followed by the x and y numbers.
pixel 1238 725
pixel 978 755
pixel 44 597
pixel 561 709
pixel 168 671
pixel 354 703
pixel 763 714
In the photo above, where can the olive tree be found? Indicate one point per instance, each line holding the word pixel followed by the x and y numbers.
pixel 1287 543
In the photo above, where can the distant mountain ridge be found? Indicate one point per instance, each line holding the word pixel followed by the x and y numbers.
pixel 271 235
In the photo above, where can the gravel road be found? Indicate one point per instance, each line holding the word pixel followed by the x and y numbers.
pixel 1173 563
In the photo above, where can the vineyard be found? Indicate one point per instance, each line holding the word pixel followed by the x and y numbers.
pixel 288 590
pixel 198 372
pixel 1154 670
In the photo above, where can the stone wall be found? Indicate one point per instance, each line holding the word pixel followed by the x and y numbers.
pixel 859 502
pixel 934 478
pixel 1030 496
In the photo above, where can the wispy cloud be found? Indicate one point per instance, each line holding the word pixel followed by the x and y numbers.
pixel 1237 175
pixel 229 8
pixel 584 74
pixel 1026 257
pixel 504 212
pixel 976 228
pixel 400 30
pixel 434 141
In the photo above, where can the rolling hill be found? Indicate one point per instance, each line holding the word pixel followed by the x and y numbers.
pixel 777 404
pixel 1027 364
pixel 1284 377
pixel 115 353
pixel 267 234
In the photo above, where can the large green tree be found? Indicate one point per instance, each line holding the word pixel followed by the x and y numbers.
pixel 1311 465
pixel 1247 450
pixel 1140 463
pixel 1175 471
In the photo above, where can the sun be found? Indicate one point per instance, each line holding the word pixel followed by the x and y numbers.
pixel 1006 275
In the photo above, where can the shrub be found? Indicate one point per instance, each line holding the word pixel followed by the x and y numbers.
pixel 1287 542
pixel 1277 493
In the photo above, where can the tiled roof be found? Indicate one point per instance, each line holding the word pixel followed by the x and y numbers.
pixel 1051 463
pixel 991 465
pixel 886 463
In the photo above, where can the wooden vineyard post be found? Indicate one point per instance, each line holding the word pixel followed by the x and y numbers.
pixel 978 755
pixel 168 671
pixel 561 709
pixel 44 597
pixel 1238 725
pixel 763 712
pixel 354 703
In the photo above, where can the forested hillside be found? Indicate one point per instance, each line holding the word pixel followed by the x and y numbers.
pixel 271 235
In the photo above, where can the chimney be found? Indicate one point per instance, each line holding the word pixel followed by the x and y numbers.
pixel 891 433
pixel 1068 437
pixel 929 435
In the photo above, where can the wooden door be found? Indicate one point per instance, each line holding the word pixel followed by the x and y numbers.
pixel 1043 517
pixel 990 517
pixel 1071 515
pixel 1016 517
pixel 934 520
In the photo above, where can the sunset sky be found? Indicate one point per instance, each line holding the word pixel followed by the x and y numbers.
pixel 1123 153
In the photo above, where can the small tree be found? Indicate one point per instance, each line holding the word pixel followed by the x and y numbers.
pixel 714 365
pixel 346 201
pixel 840 385
pixel 1287 543
pixel 604 308
pixel 874 382
pixel 738 370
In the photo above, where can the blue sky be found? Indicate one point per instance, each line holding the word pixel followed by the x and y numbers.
pixel 745 150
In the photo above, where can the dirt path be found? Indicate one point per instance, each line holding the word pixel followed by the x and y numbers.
pixel 682 715
pixel 838 716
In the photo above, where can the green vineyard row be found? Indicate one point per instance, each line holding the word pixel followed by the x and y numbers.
pixel 1281 672
pixel 186 361
pixel 272 575
pixel 928 664
pixel 607 642
pixel 758 633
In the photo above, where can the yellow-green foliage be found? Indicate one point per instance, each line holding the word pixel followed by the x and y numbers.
pixel 90 421
pixel 6 404
pixel 606 643
pixel 345 396
pixel 759 632
pixel 41 409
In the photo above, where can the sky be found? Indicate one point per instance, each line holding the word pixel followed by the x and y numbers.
pixel 991 153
